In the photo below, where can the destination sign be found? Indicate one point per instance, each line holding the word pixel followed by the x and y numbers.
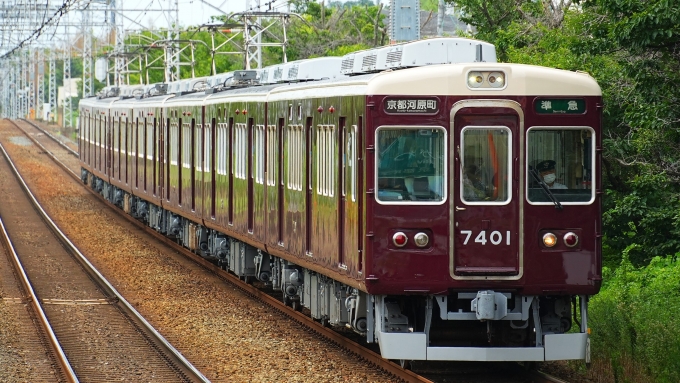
pixel 560 106
pixel 411 105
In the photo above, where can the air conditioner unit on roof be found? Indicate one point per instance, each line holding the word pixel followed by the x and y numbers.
pixel 446 51
pixel 418 53
pixel 319 68
pixel 363 60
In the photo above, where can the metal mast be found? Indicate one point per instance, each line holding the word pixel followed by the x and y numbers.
pixel 172 52
pixel 87 51
pixel 24 85
pixel 40 102
pixel 53 88
pixel 31 82
pixel 67 118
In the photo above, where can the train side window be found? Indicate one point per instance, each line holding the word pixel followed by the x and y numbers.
pixel 411 165
pixel 272 145
pixel 294 156
pixel 351 161
pixel 259 153
pixel 207 146
pixel 198 147
pixel 186 145
pixel 486 167
pixel 240 150
pixel 149 139
pixel 221 149
pixel 325 160
pixel 562 158
pixel 174 133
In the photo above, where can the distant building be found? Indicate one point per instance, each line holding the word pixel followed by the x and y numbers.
pixel 69 90
pixel 428 24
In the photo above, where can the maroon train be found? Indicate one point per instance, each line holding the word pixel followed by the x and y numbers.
pixel 436 202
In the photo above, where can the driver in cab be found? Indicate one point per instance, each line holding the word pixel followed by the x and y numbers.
pixel 546 169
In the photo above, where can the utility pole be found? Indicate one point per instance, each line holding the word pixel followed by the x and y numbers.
pixel 440 18
pixel 404 20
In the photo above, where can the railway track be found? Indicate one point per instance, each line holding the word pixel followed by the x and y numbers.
pixel 94 333
pixel 395 372
pixel 46 142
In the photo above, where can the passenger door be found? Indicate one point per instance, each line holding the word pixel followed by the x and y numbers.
pixel 486 191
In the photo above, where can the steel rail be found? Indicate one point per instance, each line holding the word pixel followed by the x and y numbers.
pixel 336 338
pixel 308 322
pixel 54 158
pixel 75 153
pixel 186 367
pixel 62 360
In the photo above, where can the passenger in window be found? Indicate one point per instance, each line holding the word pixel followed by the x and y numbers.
pixel 473 188
pixel 546 170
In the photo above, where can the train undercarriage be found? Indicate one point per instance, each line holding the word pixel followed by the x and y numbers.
pixel 464 326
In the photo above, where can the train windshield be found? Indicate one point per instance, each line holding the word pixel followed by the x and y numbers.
pixel 486 165
pixel 562 159
pixel 411 165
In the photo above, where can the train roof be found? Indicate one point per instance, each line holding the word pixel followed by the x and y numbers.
pixel 452 79
pixel 95 102
pixel 440 66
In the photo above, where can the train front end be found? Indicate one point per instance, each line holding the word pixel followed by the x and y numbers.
pixel 482 212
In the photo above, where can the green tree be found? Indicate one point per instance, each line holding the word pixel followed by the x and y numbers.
pixel 334 31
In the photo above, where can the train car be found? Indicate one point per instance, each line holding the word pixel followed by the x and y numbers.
pixel 438 203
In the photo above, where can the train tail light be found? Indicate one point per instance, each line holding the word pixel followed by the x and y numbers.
pixel 399 239
pixel 571 239
pixel 549 240
pixel 421 239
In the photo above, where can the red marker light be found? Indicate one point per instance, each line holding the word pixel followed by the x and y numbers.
pixel 319 109
pixel 399 239
pixel 570 239
pixel 331 109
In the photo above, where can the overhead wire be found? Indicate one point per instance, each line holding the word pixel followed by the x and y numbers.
pixel 61 11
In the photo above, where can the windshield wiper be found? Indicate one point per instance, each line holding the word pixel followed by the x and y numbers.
pixel 545 188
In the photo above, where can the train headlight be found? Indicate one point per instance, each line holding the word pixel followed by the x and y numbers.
pixel 571 239
pixel 496 79
pixel 421 239
pixel 549 239
pixel 475 79
pixel 399 239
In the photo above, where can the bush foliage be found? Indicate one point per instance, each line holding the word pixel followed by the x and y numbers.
pixel 636 317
